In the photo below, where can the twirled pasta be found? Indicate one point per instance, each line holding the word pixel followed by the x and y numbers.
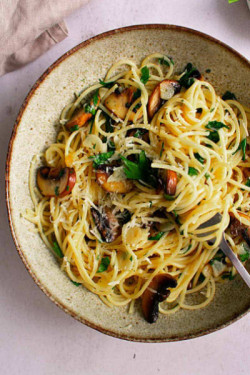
pixel 176 135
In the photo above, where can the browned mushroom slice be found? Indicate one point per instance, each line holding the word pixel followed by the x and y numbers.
pixel 239 229
pixel 156 292
pixel 162 91
pixel 119 102
pixel 106 223
pixel 171 182
pixel 55 181
pixel 120 186
pixel 80 117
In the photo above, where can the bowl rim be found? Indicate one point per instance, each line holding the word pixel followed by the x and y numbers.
pixel 36 85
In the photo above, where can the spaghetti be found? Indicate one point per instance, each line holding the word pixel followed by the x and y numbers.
pixel 145 183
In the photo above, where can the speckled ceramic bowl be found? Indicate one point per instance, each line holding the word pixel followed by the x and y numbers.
pixel 35 129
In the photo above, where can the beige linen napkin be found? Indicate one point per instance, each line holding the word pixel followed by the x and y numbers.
pixel 28 28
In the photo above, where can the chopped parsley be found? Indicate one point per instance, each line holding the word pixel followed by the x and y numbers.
pixel 150 204
pixel 207 176
pixel 157 237
pixel 190 73
pixel 215 125
pixel 177 217
pixel 248 182
pixel 138 133
pixel 95 98
pixel 163 61
pixel 101 158
pixel 131 258
pixel 67 188
pixel 104 264
pixel 169 197
pixel 187 249
pixel 199 158
pixel 213 136
pixel 137 94
pixel 228 275
pixel 208 70
pixel 75 283
pixel 245 256
pixel 57 249
pixel 219 257
pixel 228 96
pixel 141 170
pixel 162 149
pixel 243 147
pixel 144 75
pixel 91 125
pixel 57 191
pixel 74 128
pixel 106 84
pixel 193 171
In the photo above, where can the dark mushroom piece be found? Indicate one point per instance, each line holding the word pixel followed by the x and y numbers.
pixel 171 182
pixel 119 102
pixel 156 292
pixel 106 223
pixel 102 174
pixel 239 229
pixel 81 116
pixel 55 181
pixel 164 90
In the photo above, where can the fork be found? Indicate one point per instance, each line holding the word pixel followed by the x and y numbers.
pixel 226 248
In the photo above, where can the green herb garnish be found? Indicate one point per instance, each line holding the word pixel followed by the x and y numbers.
pixel 144 75
pixel 104 264
pixel 177 217
pixel 137 94
pixel 213 136
pixel 101 158
pixel 245 256
pixel 208 70
pixel 57 249
pixel 199 158
pixel 157 237
pixel 141 170
pixel 207 176
pixel 162 149
pixel 67 188
pixel 163 61
pixel 106 84
pixel 248 182
pixel 215 125
pixel 188 77
pixel 243 147
pixel 228 95
pixel 131 258
pixel 228 275
pixel 74 128
pixel 169 197
pixel 193 171
pixel 75 283
pixel 57 191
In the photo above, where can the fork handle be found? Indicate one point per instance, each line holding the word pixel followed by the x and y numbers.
pixel 235 261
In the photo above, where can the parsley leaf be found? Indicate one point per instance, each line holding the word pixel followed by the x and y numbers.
pixel 169 197
pixel 244 256
pixel 207 176
pixel 228 275
pixel 136 95
pixel 177 217
pixel 57 191
pixel 157 237
pixel 215 125
pixel 193 171
pixel 104 264
pixel 163 61
pixel 228 95
pixel 57 249
pixel 106 84
pixel 141 170
pixel 75 283
pixel 162 149
pixel 188 77
pixel 144 75
pixel 74 128
pixel 243 147
pixel 95 98
pixel 213 136
pixel 199 158
pixel 101 158
pixel 248 182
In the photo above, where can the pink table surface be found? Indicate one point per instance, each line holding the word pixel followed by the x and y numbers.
pixel 36 337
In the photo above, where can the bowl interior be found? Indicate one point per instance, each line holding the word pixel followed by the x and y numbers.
pixel 35 129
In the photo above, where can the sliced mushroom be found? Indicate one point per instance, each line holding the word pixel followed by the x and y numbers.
pixel 80 117
pixel 171 182
pixel 239 229
pixel 119 102
pixel 163 91
pixel 156 292
pixel 106 223
pixel 120 186
pixel 55 181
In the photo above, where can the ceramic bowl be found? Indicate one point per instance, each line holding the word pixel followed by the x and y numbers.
pixel 35 129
